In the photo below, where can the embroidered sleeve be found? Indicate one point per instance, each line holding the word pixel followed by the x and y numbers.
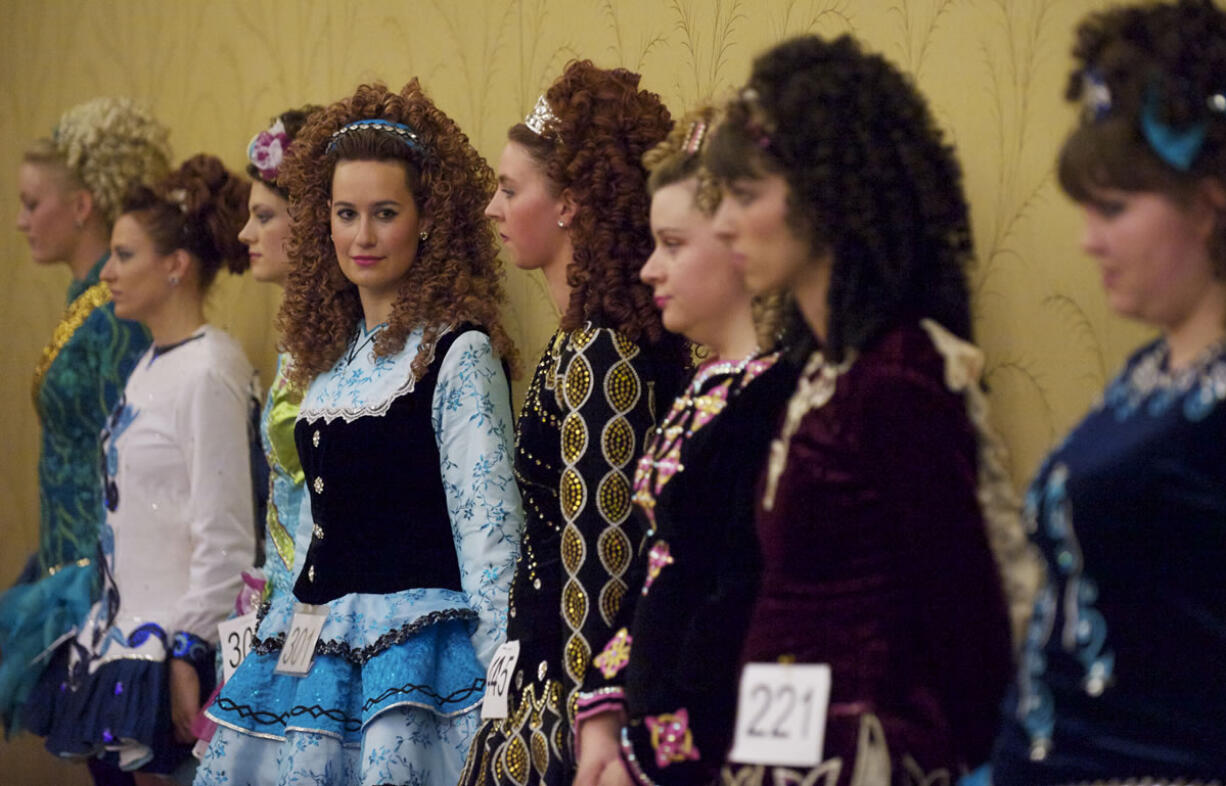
pixel 918 434
pixel 472 423
pixel 213 434
pixel 607 409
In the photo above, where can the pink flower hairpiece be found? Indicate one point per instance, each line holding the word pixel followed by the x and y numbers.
pixel 267 149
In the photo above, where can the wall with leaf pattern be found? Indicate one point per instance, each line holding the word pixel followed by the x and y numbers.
pixel 216 71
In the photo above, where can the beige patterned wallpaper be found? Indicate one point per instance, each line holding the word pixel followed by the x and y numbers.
pixel 216 71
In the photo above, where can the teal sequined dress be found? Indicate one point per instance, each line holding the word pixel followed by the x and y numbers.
pixel 78 380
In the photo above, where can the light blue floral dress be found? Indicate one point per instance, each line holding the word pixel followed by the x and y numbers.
pixel 393 695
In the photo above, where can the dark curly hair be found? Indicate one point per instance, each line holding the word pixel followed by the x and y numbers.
pixel 592 149
pixel 199 207
pixel 292 120
pixel 869 178
pixel 1171 56
pixel 456 277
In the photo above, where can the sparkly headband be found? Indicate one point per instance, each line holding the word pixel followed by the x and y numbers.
pixel 693 140
pixel 398 130
pixel 266 150
pixel 1178 147
pixel 541 114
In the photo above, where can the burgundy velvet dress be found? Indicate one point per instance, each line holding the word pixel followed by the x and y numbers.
pixel 876 562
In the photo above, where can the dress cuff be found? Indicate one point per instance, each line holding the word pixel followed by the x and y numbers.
pixel 631 761
pixel 596 702
pixel 191 648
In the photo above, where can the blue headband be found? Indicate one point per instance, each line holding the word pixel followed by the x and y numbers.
pixel 398 130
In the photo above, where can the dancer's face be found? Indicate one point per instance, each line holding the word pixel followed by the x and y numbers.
pixel 753 220
pixel 1152 252
pixel 266 234
pixel 375 226
pixel 139 277
pixel 691 274
pixel 48 213
pixel 525 210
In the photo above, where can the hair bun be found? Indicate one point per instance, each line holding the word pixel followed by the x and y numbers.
pixel 213 201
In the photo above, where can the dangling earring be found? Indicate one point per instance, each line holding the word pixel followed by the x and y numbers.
pixel 173 279
pixel 423 235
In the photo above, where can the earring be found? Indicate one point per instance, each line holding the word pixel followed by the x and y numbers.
pixel 423 235
pixel 561 224
pixel 173 279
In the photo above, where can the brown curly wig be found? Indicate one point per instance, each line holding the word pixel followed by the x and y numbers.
pixel 199 207
pixel 1172 56
pixel 456 276
pixel 592 149
pixel 869 179
pixel 292 120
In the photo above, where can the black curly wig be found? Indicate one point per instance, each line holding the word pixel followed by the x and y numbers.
pixel 1171 56
pixel 870 181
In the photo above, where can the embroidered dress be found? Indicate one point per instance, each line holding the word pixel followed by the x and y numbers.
pixel 674 658
pixel 408 545
pixel 78 381
pixel 177 535
pixel 1121 676
pixel 876 562
pixel 591 401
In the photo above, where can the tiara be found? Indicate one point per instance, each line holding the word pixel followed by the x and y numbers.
pixel 541 114
pixel 693 139
pixel 267 149
pixel 398 130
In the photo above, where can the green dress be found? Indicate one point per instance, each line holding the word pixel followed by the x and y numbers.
pixel 79 378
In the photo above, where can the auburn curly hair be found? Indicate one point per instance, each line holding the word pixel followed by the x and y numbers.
pixel 106 145
pixel 1168 59
pixel 592 149
pixel 292 120
pixel 456 276
pixel 200 207
pixel 870 181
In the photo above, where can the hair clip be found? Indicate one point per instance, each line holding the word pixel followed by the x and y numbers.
pixel 399 130
pixel 541 114
pixel 1177 147
pixel 754 125
pixel 178 198
pixel 693 140
pixel 267 149
pixel 1095 95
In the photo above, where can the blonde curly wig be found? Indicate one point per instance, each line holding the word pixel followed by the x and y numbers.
pixel 106 145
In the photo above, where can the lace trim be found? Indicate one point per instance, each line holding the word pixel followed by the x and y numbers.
pixel 350 414
pixel 1019 567
pixel 360 655
pixel 815 387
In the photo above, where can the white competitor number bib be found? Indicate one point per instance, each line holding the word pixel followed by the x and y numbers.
pixel 781 714
pixel 298 654
pixel 235 636
pixel 498 680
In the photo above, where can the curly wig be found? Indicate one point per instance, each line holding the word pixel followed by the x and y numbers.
pixel 592 149
pixel 200 207
pixel 1171 57
pixel 292 120
pixel 870 182
pixel 456 276
pixel 107 146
